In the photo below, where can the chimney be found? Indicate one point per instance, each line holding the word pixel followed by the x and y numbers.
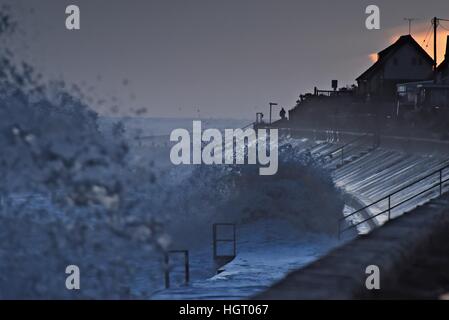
pixel 446 56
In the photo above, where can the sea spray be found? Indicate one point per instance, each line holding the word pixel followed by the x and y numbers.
pixel 301 192
pixel 69 195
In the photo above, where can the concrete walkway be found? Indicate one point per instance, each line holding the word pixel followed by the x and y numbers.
pixel 411 251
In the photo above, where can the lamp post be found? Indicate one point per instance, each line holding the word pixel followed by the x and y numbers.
pixel 272 104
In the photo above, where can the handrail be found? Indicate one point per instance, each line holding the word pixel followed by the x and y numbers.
pixel 344 146
pixel 396 191
pixel 388 197
pixel 395 206
pixel 248 125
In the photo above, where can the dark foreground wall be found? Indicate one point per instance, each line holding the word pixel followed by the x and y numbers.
pixel 411 251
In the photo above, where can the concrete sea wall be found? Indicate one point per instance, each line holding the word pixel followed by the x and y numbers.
pixel 412 253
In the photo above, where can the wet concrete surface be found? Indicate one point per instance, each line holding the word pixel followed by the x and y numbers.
pixel 411 251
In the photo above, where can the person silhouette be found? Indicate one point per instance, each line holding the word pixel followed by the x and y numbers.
pixel 282 114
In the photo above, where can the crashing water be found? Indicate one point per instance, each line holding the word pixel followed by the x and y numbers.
pixel 71 193
pixel 283 221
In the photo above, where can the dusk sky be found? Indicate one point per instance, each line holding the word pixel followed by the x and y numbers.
pixel 227 59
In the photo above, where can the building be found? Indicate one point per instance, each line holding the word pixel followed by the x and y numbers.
pixel 403 61
pixel 426 94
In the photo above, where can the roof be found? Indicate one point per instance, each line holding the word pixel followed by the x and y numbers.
pixel 443 64
pixel 385 54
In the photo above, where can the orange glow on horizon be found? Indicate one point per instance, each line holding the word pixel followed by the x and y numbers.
pixel 373 57
pixel 427 45
pixel 420 32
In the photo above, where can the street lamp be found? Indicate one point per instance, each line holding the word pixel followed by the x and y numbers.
pixel 271 107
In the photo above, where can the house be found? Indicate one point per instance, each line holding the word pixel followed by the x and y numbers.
pixel 443 68
pixel 404 61
pixel 423 95
pixel 426 94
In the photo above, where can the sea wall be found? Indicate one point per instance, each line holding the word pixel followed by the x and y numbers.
pixel 412 253
pixel 403 143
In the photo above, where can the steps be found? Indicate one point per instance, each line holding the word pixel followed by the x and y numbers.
pixel 369 173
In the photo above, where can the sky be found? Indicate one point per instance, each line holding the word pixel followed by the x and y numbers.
pixel 209 58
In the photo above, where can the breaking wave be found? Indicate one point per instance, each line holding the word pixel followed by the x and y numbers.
pixel 301 192
pixel 71 194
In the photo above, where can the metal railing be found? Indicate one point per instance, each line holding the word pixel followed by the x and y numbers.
pixel 248 125
pixel 388 198
pixel 344 147
pixel 185 253
pixel 216 239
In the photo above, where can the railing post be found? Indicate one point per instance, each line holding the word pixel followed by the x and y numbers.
pixel 342 155
pixel 167 271
pixel 389 207
pixel 339 229
pixel 235 242
pixel 214 239
pixel 167 266
pixel 186 267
